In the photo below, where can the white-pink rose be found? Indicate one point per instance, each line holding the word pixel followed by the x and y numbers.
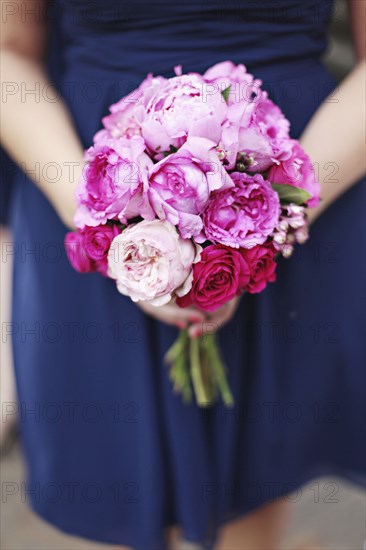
pixel 151 262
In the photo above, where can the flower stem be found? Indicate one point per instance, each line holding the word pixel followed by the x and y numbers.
pixel 196 374
pixel 217 368
pixel 177 347
pixel 179 373
pixel 197 363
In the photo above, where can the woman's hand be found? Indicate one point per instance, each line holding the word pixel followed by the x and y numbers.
pixel 215 320
pixel 39 134
pixel 194 319
pixel 172 314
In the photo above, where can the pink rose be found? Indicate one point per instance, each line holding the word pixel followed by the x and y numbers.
pixel 180 107
pixel 75 250
pixel 180 185
pixel 151 262
pixel 262 265
pixel 296 169
pixel 243 215
pixel 217 278
pixel 87 249
pixel 113 181
pixel 97 242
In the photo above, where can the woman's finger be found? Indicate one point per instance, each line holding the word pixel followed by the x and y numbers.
pixel 215 320
pixel 173 314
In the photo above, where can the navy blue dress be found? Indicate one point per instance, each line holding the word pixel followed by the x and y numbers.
pixel 112 454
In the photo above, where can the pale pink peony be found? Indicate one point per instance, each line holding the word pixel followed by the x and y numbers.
pixel 112 185
pixel 255 134
pixel 180 185
pixel 295 168
pixel 235 80
pixel 151 262
pixel 122 120
pixel 177 108
pixel 244 215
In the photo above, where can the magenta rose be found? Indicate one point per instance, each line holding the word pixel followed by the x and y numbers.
pixel 87 249
pixel 97 242
pixel 180 185
pixel 262 266
pixel 75 250
pixel 243 215
pixel 218 277
pixel 296 169
pixel 113 182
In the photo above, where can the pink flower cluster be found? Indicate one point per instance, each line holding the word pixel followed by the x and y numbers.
pixel 191 189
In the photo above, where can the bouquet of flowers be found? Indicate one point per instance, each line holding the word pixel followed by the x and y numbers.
pixel 190 192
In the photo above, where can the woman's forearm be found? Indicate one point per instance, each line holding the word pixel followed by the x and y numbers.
pixel 38 133
pixel 335 139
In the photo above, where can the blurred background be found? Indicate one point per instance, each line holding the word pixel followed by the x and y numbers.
pixel 327 514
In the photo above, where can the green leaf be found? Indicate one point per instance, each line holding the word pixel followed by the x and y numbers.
pixel 172 150
pixel 225 93
pixel 289 193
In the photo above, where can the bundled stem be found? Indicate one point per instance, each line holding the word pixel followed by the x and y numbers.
pixel 197 363
pixel 217 368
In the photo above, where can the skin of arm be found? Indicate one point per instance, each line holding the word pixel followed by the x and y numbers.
pixel 37 133
pixel 336 134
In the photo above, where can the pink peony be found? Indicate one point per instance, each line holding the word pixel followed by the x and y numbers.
pixel 122 120
pixel 177 108
pixel 296 169
pixel 151 262
pixel 113 181
pixel 243 215
pixel 238 83
pixel 180 185
pixel 255 134
pixel 262 266
pixel 217 278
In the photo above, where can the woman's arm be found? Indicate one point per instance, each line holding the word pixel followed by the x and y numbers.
pixel 34 130
pixel 335 137
pixel 37 133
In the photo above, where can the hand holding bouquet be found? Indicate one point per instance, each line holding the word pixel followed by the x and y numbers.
pixel 190 192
